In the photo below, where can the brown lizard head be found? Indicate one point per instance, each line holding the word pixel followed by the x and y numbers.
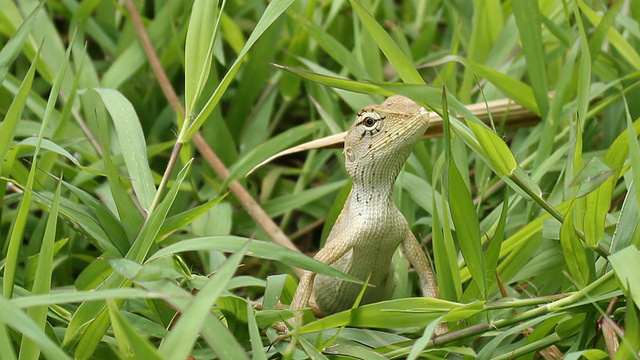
pixel 384 135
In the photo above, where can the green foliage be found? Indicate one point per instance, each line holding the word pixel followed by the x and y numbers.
pixel 117 240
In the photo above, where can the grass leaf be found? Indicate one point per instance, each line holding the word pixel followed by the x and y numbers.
pixel 271 14
pixel 178 344
pixel 132 144
pixel 467 227
pixel 201 37
pixel 11 48
pixel 527 15
pixel 401 63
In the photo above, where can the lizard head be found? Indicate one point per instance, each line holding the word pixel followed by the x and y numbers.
pixel 384 134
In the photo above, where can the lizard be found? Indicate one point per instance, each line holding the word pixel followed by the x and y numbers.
pixel 370 227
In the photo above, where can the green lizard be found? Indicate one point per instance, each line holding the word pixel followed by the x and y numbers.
pixel 370 227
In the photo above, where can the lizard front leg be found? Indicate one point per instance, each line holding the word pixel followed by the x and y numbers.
pixel 332 251
pixel 420 263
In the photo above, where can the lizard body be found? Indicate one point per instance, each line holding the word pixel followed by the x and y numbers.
pixel 370 227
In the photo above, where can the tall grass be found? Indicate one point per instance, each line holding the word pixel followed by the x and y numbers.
pixel 128 229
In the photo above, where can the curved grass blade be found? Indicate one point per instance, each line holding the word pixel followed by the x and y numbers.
pixel 467 226
pixel 401 63
pixel 23 324
pixel 201 37
pixel 259 249
pixel 42 280
pixel 271 14
pixel 132 144
pixel 513 88
pixel 91 321
pixel 11 49
pixel 130 342
pixel 183 335
pixel 527 16
pixel 400 313
pixel 7 131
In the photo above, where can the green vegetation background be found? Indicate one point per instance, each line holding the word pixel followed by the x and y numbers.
pixel 118 239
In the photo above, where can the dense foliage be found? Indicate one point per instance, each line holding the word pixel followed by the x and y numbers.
pixel 122 235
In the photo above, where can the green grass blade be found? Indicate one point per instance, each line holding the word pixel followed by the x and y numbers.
pixel 147 236
pixel 11 120
pixel 201 37
pixel 7 133
pixel 486 22
pixel 527 15
pixel 282 204
pixel 93 333
pixel 626 264
pixel 574 253
pixel 132 58
pixel 599 200
pixel 128 212
pixel 220 340
pixel 42 281
pixel 311 351
pixel 332 46
pixel 259 249
pixel 398 313
pixel 584 72
pixel 23 324
pixel 420 191
pixel 273 146
pixel 493 250
pixel 445 257
pixel 132 144
pixel 51 101
pixel 51 146
pixel 513 88
pixel 600 34
pixel 628 226
pixel 401 63
pixel 122 275
pixel 93 317
pixel 271 14
pixel 631 339
pixel 105 219
pixel 467 227
pixel 495 150
pixel 626 50
pixel 634 155
pixel 563 90
pixel 185 218
pixel 592 354
pixel 11 49
pixel 129 340
pixel 342 83
pixel 28 301
pixel 257 350
pixel 179 343
pixel 5 343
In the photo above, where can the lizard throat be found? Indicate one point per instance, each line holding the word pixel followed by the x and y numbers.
pixel 373 184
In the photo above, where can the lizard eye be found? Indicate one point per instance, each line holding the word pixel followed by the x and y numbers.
pixel 369 122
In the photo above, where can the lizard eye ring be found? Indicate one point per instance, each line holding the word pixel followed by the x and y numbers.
pixel 371 122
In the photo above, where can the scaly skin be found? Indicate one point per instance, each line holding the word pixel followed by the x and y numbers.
pixel 370 227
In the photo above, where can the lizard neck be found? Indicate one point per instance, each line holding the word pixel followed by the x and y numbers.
pixel 372 189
